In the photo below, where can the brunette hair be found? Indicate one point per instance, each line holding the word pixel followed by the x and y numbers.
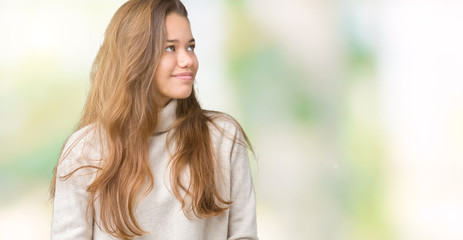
pixel 124 103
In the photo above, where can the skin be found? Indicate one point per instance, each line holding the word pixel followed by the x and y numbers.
pixel 178 65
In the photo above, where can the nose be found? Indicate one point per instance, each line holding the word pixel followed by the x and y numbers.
pixel 184 59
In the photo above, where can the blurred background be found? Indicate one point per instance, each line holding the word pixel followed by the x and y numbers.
pixel 355 109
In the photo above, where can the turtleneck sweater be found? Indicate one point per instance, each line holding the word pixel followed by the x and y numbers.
pixel 159 214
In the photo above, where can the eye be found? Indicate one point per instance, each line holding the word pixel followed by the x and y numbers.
pixel 191 48
pixel 170 48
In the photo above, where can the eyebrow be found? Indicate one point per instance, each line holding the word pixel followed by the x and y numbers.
pixel 176 40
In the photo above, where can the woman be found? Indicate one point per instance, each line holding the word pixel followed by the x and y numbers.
pixel 146 162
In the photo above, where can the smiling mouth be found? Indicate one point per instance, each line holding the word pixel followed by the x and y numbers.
pixel 184 76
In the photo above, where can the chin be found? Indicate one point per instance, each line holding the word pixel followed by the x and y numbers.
pixel 182 95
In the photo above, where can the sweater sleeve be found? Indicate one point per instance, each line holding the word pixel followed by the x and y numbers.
pixel 242 212
pixel 70 218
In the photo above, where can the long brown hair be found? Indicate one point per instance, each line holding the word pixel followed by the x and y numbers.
pixel 124 103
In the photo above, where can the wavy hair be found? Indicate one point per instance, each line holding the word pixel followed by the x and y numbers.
pixel 124 103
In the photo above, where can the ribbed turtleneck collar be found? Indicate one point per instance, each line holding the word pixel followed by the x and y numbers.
pixel 166 117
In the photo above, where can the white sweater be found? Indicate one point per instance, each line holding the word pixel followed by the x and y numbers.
pixel 159 213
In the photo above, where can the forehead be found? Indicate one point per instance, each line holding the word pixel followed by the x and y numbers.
pixel 177 27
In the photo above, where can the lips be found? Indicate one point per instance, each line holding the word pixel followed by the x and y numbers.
pixel 184 76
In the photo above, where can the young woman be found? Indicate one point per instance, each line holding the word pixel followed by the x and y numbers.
pixel 146 162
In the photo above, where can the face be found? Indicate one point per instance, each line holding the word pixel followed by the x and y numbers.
pixel 178 65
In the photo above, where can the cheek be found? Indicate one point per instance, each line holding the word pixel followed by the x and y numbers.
pixel 164 71
pixel 196 64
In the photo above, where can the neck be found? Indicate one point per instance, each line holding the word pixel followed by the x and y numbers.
pixel 166 116
pixel 165 101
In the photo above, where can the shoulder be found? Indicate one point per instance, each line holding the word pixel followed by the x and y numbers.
pixel 83 148
pixel 82 134
pixel 226 132
pixel 85 137
pixel 224 123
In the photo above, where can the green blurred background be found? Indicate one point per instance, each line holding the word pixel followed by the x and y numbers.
pixel 354 107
